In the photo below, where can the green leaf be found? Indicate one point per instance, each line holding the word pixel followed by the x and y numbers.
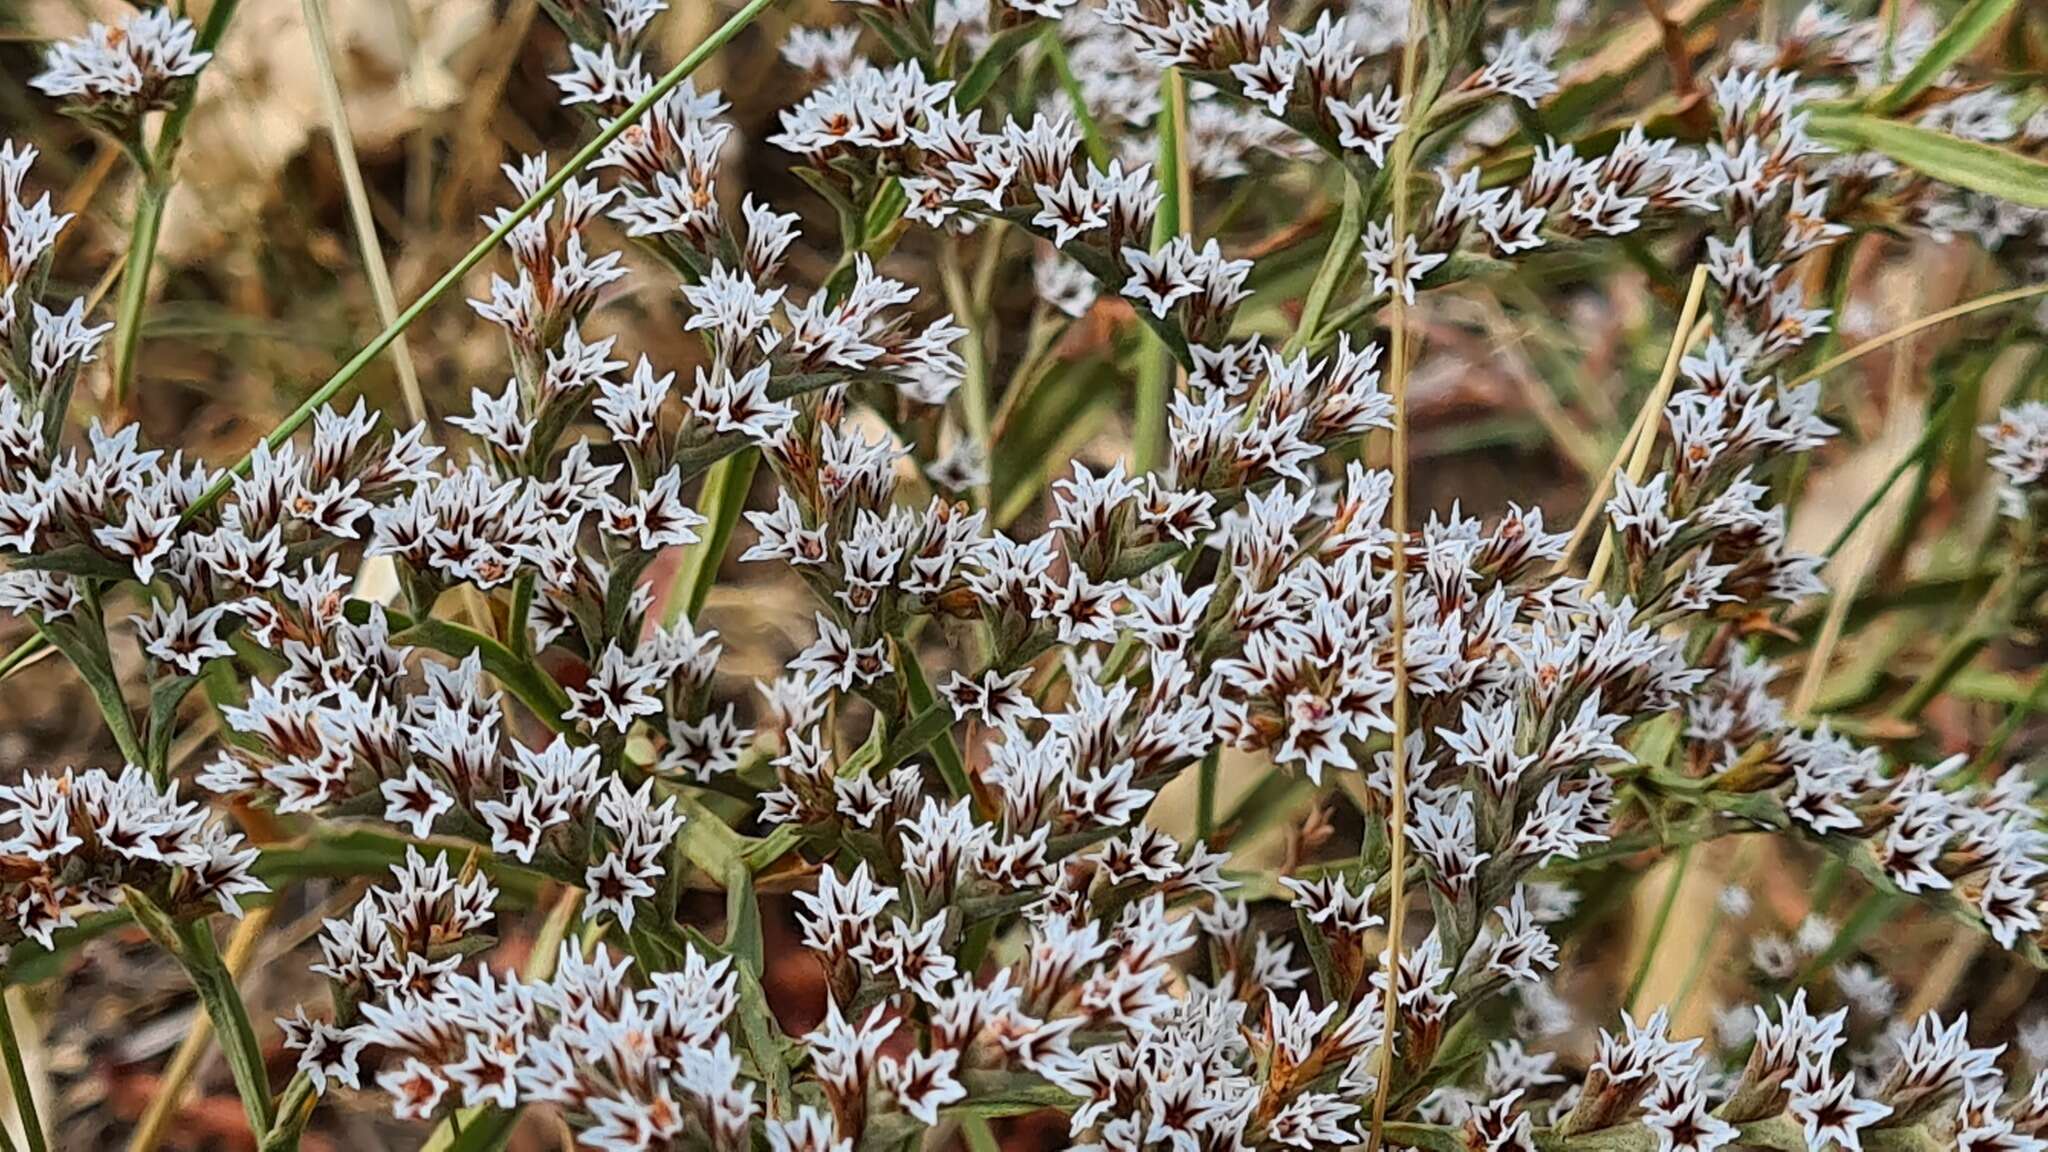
pixel 1156 367
pixel 1268 801
pixel 1964 163
pixel 993 1094
pixel 990 64
pixel 88 653
pixel 24 655
pixel 931 722
pixel 711 844
pixel 18 1083
pixel 882 214
pixel 31 963
pixel 723 496
pixel 294 1110
pixel 482 1130
pixel 758 1028
pixel 1965 30
pixel 534 688
pixel 164 698
pixel 951 765
pixel 1319 954
pixel 1091 135
pixel 332 852
pixel 75 560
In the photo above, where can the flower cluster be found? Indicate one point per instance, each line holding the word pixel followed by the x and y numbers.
pixel 2019 452
pixel 85 842
pixel 114 76
pixel 957 774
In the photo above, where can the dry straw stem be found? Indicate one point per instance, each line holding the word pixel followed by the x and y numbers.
pixel 1645 431
pixel 377 578
pixel 364 224
pixel 1921 325
pixel 1397 389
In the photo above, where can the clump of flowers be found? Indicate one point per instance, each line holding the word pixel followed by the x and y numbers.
pixel 959 777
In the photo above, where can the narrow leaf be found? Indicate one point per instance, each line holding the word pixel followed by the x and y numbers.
pixel 1964 163
pixel 534 688
pixel 931 713
pixel 1965 30
pixel 743 937
pixel 723 496
pixel 990 64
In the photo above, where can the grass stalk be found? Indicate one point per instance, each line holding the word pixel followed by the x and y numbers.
pixel 1886 339
pixel 1662 921
pixel 364 224
pixel 1604 481
pixel 1397 389
pixel 17 1081
pixel 1646 423
pixel 1856 562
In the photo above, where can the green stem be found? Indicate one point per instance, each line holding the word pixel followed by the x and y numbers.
pixel 2017 589
pixel 1657 927
pixel 24 654
pixel 191 945
pixel 1336 265
pixel 952 765
pixel 85 645
pixel 1935 423
pixel 1091 135
pixel 294 1110
pixel 346 374
pixel 1876 908
pixel 17 1079
pixel 1205 794
pixel 150 200
pixel 142 236
pixel 1156 365
pixel 1694 970
pixel 974 350
pixel 1987 758
pixel 518 632
pixel 223 1003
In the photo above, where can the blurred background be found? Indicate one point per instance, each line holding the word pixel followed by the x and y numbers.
pixel 1526 385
